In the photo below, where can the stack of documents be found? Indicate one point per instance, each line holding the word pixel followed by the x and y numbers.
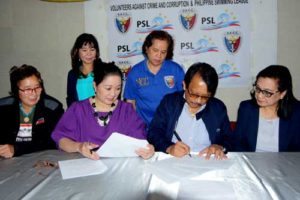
pixel 117 145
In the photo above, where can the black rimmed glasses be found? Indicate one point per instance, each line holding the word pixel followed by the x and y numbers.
pixel 266 93
pixel 196 96
pixel 28 91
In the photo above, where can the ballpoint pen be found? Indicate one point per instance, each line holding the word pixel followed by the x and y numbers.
pixel 179 139
pixel 94 149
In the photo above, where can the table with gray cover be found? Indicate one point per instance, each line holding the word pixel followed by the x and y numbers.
pixel 246 176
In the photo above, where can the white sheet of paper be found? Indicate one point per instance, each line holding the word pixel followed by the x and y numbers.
pixel 119 145
pixel 173 169
pixel 80 167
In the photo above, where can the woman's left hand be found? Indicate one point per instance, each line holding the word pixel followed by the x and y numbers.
pixel 215 149
pixel 7 151
pixel 146 153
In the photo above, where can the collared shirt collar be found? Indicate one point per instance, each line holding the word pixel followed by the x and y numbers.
pixel 200 112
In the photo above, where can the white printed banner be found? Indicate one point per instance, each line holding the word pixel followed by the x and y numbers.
pixel 212 31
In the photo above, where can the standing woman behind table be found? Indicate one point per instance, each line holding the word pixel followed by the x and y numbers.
pixel 88 124
pixel 28 116
pixel 154 77
pixel 270 121
pixel 84 54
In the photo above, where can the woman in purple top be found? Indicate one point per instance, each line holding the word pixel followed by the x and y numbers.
pixel 88 124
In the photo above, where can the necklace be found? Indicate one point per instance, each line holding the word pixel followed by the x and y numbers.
pixel 26 115
pixel 102 120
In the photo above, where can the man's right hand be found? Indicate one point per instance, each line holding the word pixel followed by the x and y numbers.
pixel 179 149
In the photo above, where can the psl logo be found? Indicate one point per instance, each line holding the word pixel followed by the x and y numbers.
pixel 125 52
pixel 203 45
pixel 157 23
pixel 188 18
pixel 123 22
pixel 232 40
pixel 224 20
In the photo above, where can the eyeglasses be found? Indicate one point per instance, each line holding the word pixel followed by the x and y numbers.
pixel 266 93
pixel 28 91
pixel 196 96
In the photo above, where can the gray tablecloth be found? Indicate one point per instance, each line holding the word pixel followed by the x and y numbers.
pixel 251 176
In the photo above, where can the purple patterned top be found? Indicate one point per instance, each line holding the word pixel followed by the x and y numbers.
pixel 79 124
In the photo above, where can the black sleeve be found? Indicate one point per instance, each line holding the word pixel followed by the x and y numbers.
pixel 71 88
pixel 157 133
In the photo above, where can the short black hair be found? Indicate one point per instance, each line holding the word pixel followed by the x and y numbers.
pixel 160 35
pixel 206 72
pixel 18 74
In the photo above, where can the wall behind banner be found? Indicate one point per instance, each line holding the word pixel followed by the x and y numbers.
pixel 42 34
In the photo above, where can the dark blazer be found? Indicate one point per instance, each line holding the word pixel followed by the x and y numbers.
pixel 247 128
pixel 214 116
pixel 71 88
pixel 47 113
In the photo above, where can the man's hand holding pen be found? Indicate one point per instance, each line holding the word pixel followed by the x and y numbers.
pixel 179 149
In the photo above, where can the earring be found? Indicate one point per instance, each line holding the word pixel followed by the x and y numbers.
pixel 79 60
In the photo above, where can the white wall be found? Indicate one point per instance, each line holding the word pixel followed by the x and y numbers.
pixel 289 39
pixel 42 34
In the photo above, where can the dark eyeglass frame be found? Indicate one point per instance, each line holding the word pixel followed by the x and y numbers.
pixel 196 96
pixel 28 91
pixel 266 93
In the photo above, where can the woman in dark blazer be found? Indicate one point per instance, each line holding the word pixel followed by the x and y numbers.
pixel 270 121
pixel 28 116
